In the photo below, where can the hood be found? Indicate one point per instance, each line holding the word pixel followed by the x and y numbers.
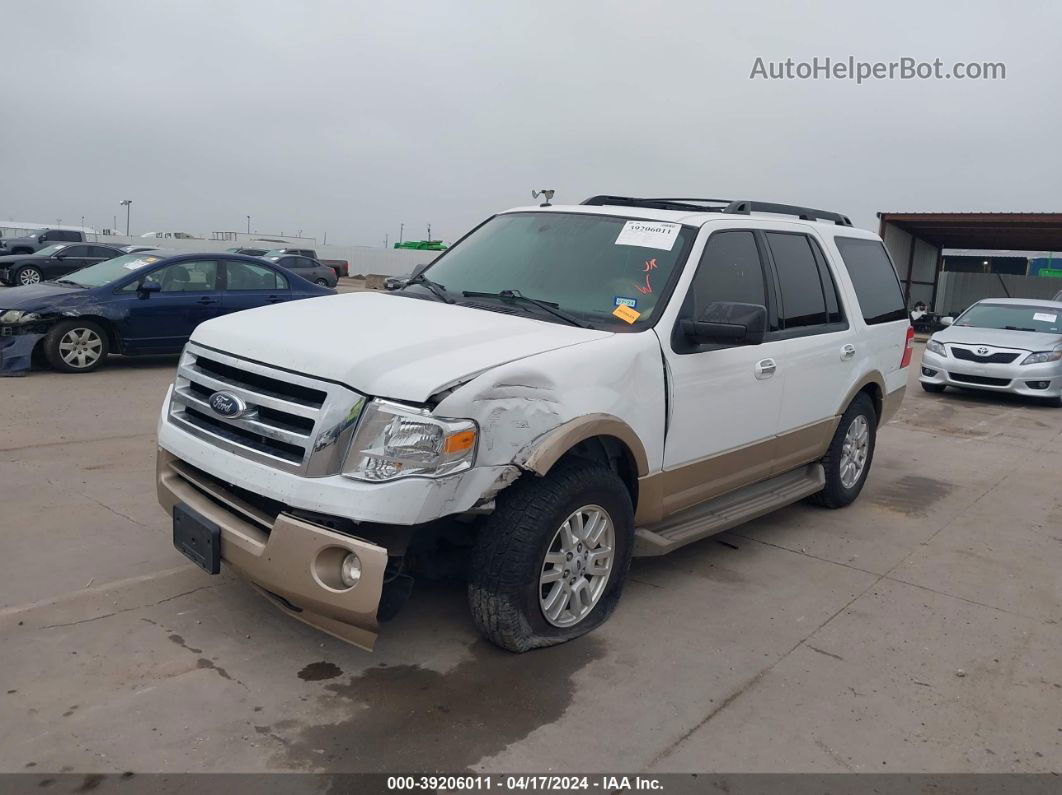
pixel 386 345
pixel 11 259
pixel 35 297
pixel 999 338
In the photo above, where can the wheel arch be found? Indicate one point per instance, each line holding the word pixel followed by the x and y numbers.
pixel 114 339
pixel 872 385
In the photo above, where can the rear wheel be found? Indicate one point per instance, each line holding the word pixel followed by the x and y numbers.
pixel 28 275
pixel 76 346
pixel 935 388
pixel 848 458
pixel 549 563
pixel 322 282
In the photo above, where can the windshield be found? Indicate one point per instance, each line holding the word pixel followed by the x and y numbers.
pixel 1013 316
pixel 604 270
pixel 48 251
pixel 111 270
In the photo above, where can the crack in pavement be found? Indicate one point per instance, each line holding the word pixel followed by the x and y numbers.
pixel 129 609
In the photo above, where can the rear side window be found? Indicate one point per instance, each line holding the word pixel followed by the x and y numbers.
pixel 876 284
pixel 729 271
pixel 803 302
pixel 63 234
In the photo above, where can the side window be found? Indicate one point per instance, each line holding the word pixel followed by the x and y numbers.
pixel 186 277
pixel 729 270
pixel 76 251
pixel 65 235
pixel 244 276
pixel 803 303
pixel 101 251
pixel 876 285
pixel 834 311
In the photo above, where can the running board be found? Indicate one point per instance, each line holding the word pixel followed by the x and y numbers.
pixel 728 511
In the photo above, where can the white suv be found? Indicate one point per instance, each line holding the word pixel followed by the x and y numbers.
pixel 564 388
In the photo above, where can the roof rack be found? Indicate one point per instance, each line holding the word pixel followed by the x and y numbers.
pixel 660 203
pixel 742 207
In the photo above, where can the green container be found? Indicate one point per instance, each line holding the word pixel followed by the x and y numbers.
pixel 423 245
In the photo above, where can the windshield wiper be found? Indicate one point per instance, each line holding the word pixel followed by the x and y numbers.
pixel 516 295
pixel 1018 328
pixel 68 281
pixel 437 289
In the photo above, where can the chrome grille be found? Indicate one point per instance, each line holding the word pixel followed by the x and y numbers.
pixel 291 422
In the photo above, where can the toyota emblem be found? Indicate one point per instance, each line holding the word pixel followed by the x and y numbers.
pixel 982 351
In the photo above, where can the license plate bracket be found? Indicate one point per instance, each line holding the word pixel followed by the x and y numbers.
pixel 197 538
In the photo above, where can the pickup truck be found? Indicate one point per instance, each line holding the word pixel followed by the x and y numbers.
pixel 563 389
pixel 340 266
pixel 30 244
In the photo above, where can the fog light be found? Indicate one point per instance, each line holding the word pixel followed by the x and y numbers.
pixel 350 570
pixel 928 372
pixel 1038 384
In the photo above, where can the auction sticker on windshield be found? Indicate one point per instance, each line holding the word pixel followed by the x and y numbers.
pixel 137 264
pixel 1045 317
pixel 649 234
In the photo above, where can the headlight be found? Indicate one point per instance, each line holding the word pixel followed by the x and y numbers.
pixel 936 348
pixel 1043 357
pixel 17 316
pixel 395 441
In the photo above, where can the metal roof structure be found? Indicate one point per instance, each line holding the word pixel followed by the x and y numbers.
pixel 1041 231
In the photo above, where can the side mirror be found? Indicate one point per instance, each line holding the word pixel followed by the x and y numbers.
pixel 947 321
pixel 147 288
pixel 727 323
pixel 42 238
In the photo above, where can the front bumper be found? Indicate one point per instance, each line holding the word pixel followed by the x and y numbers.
pixel 16 350
pixel 1013 378
pixel 292 561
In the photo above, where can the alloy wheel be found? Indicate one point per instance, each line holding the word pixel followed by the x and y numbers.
pixel 854 451
pixel 577 566
pixel 29 276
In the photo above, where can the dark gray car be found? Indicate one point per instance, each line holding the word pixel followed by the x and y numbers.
pixel 309 269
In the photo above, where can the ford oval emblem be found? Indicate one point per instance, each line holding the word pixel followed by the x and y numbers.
pixel 226 404
pixel 982 351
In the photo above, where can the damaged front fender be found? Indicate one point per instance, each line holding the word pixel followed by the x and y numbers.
pixel 16 352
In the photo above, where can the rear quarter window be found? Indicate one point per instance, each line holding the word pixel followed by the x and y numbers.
pixel 876 284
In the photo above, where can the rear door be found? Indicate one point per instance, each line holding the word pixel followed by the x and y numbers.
pixel 161 322
pixel 248 285
pixel 821 353
pixel 68 260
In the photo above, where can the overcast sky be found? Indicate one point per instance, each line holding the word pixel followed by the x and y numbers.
pixel 351 118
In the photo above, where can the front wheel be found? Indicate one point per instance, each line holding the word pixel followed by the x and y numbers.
pixel 76 346
pixel 28 275
pixel 549 563
pixel 322 282
pixel 848 458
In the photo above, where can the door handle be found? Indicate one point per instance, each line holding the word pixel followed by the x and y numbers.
pixel 847 352
pixel 205 300
pixel 275 299
pixel 765 369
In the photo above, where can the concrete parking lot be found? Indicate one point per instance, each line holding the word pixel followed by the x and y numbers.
pixel 918 630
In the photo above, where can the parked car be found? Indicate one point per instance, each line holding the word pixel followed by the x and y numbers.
pixel 565 387
pixel 145 303
pixel 999 345
pixel 250 252
pixel 309 269
pixel 137 249
pixel 28 244
pixel 53 261
pixel 339 266
pixel 298 252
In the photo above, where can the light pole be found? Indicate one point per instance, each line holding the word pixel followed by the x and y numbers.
pixel 401 233
pixel 127 203
pixel 248 224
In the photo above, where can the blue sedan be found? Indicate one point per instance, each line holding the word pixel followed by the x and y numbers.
pixel 143 303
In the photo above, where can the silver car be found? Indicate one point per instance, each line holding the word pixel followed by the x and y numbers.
pixel 999 345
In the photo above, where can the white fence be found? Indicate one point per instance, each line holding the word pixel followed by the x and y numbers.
pixel 956 291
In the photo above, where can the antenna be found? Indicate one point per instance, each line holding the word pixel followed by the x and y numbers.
pixel 546 193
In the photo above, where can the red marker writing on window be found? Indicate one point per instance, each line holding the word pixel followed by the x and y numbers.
pixel 650 265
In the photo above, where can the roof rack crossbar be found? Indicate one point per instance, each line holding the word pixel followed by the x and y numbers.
pixel 745 207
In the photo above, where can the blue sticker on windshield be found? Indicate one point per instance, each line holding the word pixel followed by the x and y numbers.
pixel 620 300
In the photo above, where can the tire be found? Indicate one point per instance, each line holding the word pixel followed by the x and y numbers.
pixel 28 275
pixel 1055 402
pixel 840 489
pixel 76 346
pixel 506 592
pixel 934 388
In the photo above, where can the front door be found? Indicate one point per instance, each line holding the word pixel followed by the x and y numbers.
pixel 162 321
pixel 725 401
